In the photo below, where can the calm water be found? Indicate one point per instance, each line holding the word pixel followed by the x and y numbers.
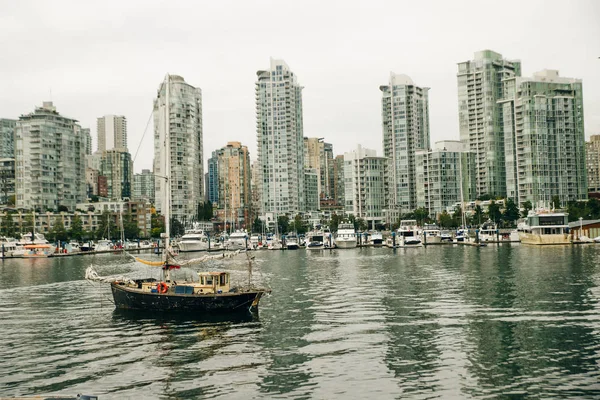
pixel 441 322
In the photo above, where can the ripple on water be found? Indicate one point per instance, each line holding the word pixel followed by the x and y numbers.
pixel 447 322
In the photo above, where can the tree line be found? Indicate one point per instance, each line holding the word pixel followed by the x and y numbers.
pixel 107 228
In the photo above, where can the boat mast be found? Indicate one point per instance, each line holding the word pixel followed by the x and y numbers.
pixel 167 150
pixel 462 199
pixel 122 230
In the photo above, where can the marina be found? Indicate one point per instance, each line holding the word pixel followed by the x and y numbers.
pixel 444 321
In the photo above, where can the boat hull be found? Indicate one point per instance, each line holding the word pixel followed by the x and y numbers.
pixel 345 244
pixel 189 247
pixel 127 298
pixel 558 239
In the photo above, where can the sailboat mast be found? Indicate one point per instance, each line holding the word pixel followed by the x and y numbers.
pixel 462 198
pixel 167 149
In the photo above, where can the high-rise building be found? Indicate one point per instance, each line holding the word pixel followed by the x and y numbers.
pixel 255 189
pixel 143 186
pixel 92 171
pixel 7 138
pixel 7 159
pixel 7 180
pixel 441 171
pixel 338 180
pixel 480 86
pixel 117 167
pixel 185 137
pixel 544 138
pixel 212 190
pixel 592 154
pixel 234 175
pixel 112 132
pixel 365 185
pixel 85 132
pixel 280 139
pixel 311 189
pixel 50 160
pixel 318 156
pixel 405 121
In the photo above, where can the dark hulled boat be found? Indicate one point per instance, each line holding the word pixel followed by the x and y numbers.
pixel 211 294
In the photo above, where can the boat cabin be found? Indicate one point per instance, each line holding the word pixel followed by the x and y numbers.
pixel 212 282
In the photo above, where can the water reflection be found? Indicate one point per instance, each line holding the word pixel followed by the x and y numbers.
pixel 441 321
pixel 291 317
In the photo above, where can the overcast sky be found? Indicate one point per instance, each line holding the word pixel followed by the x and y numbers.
pixel 108 57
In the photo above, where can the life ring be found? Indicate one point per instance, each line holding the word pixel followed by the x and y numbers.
pixel 162 287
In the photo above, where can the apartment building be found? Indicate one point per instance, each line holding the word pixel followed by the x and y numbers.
pixel 280 139
pixel 405 122
pixel 480 87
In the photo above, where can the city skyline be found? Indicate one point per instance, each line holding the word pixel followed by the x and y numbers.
pixel 341 65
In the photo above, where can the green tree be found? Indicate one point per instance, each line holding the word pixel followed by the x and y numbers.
pixel 131 229
pixel 593 206
pixel 177 227
pixel 421 215
pixel 511 212
pixel 27 225
pixel 494 212
pixel 257 225
pixel 361 224
pixel 58 231
pixel 283 223
pixel 576 210
pixel 527 206
pixel 445 220
pixel 298 225
pixel 457 216
pixel 478 216
pixel 62 208
pixel 157 224
pixel 7 228
pixel 103 230
pixel 76 231
pixel 205 211
pixel 555 202
pixel 335 221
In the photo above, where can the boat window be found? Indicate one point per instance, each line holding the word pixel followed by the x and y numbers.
pixel 223 280
pixel 209 280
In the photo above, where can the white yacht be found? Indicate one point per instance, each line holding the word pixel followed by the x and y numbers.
pixel 346 236
pixel 375 238
pixel 408 234
pixel 238 240
pixel 430 234
pixel 255 241
pixel 104 245
pixel 275 244
pixel 488 232
pixel 8 246
pixel 33 245
pixel 446 236
pixel 545 227
pixel 292 243
pixel 461 235
pixel 315 240
pixel 193 240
